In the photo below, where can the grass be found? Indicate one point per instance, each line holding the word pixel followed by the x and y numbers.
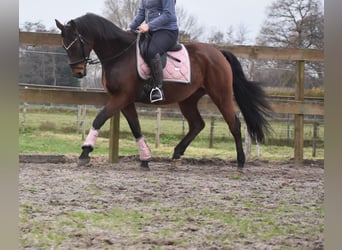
pixel 55 132
pixel 71 225
pixel 244 221
pixel 261 223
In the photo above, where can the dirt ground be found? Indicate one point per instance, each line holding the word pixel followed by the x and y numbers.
pixel 203 204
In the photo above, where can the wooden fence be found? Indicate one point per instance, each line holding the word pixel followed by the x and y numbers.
pixel 299 106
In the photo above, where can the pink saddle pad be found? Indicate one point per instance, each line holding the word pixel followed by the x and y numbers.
pixel 174 71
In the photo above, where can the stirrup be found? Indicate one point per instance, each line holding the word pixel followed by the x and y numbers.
pixel 158 91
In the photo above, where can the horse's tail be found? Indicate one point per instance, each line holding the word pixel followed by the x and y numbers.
pixel 251 100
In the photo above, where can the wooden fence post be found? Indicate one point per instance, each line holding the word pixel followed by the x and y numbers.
pixel 81 120
pixel 183 126
pixel 157 139
pixel 314 138
pixel 211 135
pixel 24 114
pixel 114 138
pixel 299 118
pixel 248 143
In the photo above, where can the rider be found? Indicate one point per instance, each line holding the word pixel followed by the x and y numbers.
pixel 158 18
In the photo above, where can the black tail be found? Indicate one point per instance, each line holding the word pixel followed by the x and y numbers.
pixel 251 100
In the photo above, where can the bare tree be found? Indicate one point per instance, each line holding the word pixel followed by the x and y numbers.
pixel 122 12
pixel 241 35
pixel 217 37
pixel 33 27
pixel 188 26
pixel 293 24
pixel 231 36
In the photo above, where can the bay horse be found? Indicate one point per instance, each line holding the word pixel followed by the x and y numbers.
pixel 215 73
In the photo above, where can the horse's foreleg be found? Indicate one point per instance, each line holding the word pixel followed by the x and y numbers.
pixel 144 152
pixel 131 116
pixel 88 146
pixel 90 141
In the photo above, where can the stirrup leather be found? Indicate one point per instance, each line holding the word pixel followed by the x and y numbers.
pixel 157 91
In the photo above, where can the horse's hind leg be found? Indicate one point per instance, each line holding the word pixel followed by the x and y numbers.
pixel 190 111
pixel 235 129
pixel 227 110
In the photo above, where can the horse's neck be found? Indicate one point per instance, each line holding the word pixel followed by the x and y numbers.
pixel 110 48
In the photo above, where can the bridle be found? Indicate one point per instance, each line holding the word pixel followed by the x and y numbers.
pixel 88 60
pixel 84 57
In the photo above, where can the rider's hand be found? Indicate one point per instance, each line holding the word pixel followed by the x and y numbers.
pixel 143 28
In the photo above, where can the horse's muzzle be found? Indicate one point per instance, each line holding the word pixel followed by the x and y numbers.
pixel 79 70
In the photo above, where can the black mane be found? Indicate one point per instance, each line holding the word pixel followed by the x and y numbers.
pixel 100 27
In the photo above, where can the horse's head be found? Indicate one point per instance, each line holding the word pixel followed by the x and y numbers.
pixel 76 46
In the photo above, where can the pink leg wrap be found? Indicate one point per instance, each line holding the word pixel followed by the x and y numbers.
pixel 91 138
pixel 144 150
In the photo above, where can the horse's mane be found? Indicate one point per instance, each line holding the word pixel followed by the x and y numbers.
pixel 100 27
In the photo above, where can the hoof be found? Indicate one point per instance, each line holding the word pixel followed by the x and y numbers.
pixel 241 164
pixel 144 166
pixel 83 161
pixel 240 169
pixel 175 164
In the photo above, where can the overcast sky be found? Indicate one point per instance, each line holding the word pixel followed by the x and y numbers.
pixel 211 14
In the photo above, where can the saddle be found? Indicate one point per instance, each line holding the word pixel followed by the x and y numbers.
pixel 143 44
pixel 175 62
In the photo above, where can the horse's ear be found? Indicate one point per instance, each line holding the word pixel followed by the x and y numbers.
pixel 59 25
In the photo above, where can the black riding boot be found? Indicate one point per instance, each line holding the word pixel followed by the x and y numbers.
pixel 157 77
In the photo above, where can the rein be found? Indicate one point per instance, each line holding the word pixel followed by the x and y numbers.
pixel 88 60
pixel 119 54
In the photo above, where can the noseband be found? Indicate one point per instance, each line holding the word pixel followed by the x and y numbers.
pixel 84 57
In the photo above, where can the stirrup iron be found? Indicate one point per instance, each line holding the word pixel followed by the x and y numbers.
pixel 156 90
